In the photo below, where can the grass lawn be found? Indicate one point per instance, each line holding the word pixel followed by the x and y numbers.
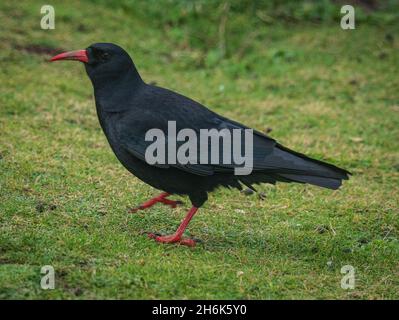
pixel 329 93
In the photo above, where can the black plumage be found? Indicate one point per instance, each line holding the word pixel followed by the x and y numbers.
pixel 127 108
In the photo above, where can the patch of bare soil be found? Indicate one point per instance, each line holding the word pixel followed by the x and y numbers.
pixel 39 49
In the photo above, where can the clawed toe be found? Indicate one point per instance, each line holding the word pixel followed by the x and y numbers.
pixel 188 242
pixel 172 239
pixel 177 237
pixel 153 235
pixel 135 209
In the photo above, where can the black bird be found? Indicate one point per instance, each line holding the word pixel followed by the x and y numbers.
pixel 127 108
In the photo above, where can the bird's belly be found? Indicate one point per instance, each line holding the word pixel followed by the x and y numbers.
pixel 170 179
pixel 134 165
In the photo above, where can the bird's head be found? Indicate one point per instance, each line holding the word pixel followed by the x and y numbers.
pixel 104 62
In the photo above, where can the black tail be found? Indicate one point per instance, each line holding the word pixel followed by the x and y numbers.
pixel 329 183
pixel 312 171
pixel 286 165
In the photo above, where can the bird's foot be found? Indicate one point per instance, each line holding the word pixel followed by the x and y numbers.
pixel 173 239
pixel 177 237
pixel 162 198
pixel 171 203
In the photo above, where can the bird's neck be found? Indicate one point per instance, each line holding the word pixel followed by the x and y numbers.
pixel 113 93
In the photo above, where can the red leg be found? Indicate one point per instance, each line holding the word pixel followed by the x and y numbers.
pixel 177 236
pixel 161 198
pixel 172 203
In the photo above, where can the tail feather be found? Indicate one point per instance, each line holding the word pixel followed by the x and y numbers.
pixel 311 166
pixel 329 183
pixel 287 165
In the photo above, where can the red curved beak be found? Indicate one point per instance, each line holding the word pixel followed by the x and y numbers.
pixel 80 55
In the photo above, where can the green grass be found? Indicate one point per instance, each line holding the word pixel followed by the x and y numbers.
pixel 329 93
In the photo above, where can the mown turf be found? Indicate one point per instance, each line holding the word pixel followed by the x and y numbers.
pixel 329 93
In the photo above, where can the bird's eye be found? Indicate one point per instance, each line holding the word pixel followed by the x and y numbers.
pixel 104 56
